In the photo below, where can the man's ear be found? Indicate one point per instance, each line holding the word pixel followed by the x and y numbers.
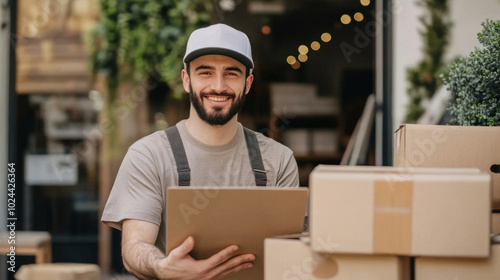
pixel 185 80
pixel 248 82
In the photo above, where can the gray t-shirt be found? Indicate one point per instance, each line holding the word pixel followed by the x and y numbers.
pixel 148 168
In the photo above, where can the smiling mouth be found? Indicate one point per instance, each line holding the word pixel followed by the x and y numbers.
pixel 218 98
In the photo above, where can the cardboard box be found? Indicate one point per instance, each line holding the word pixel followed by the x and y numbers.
pixel 459 268
pixel 297 140
pixel 292 258
pixel 59 271
pixel 221 216
pixel 450 146
pixel 324 141
pixel 301 99
pixel 495 223
pixel 387 210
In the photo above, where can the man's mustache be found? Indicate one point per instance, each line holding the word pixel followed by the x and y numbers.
pixel 227 94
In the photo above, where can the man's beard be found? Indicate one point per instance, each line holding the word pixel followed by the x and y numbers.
pixel 216 117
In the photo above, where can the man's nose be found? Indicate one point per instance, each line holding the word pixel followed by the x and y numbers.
pixel 219 84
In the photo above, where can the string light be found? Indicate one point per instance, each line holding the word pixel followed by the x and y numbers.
pixel 326 37
pixel 303 49
pixel 365 2
pixel 266 30
pixel 291 59
pixel 345 19
pixel 303 57
pixel 358 16
pixel 315 46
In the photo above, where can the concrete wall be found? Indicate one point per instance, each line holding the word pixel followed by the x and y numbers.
pixel 466 16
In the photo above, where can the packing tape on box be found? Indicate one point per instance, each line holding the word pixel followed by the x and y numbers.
pixel 392 221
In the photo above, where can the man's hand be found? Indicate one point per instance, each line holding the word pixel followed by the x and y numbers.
pixel 180 265
pixel 142 258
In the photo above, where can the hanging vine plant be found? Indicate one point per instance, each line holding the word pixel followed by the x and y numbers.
pixel 135 37
pixel 135 40
pixel 424 77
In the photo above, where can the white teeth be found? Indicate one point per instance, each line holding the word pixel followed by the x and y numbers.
pixel 217 98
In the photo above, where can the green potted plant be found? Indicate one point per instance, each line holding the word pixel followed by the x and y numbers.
pixel 474 82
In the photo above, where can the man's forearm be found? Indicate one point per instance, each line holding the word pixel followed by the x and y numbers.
pixel 140 258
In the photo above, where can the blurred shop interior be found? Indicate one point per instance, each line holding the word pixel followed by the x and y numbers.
pixel 315 69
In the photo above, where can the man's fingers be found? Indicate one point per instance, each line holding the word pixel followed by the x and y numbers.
pixel 235 269
pixel 221 256
pixel 234 264
pixel 184 249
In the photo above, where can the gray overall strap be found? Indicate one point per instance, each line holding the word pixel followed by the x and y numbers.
pixel 184 171
pixel 255 158
pixel 179 155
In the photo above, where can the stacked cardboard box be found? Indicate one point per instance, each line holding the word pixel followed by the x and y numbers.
pixel 324 141
pixel 435 206
pixel 454 146
pixel 439 212
pixel 301 99
pixel 297 140
pixel 461 268
pixel 293 258
pixel 375 216
pixel 305 141
pixel 450 146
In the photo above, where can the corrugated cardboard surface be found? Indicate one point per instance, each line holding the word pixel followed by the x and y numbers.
pixel 459 268
pixel 438 213
pixel 219 217
pixel 449 146
pixel 291 258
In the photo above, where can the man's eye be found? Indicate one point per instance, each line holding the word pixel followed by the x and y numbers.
pixel 232 74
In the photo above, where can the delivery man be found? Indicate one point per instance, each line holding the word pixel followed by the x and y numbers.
pixel 210 148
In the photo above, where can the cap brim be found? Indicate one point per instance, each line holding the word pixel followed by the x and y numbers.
pixel 206 51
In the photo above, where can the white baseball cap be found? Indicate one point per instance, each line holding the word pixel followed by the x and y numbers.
pixel 219 39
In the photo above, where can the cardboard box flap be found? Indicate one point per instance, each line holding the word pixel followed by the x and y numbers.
pixel 399 146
